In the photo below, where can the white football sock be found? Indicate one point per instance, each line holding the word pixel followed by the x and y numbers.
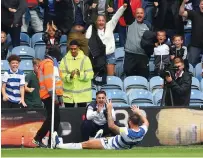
pixel 69 146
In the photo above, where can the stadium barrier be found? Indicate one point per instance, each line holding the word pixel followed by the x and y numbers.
pixel 168 126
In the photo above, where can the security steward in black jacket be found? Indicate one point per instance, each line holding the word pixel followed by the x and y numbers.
pixel 180 84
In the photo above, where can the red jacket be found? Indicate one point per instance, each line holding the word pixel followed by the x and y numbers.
pixel 134 5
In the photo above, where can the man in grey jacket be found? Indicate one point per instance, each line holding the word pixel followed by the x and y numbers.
pixel 136 60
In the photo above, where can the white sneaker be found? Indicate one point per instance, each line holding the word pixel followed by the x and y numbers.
pixel 99 134
pixel 55 139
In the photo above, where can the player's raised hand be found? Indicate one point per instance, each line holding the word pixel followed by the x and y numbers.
pixel 109 104
pixel 135 109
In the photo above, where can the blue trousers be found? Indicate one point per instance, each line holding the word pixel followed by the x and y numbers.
pixel 194 55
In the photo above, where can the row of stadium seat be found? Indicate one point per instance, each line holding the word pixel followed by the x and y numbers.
pixel 113 82
pixel 139 82
pixel 142 97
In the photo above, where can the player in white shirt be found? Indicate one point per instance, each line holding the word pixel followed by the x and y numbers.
pixel 126 138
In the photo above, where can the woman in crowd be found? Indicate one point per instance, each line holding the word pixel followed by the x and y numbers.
pixel 104 34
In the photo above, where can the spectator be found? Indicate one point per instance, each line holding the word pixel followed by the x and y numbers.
pixel 101 7
pixel 45 76
pixel 122 30
pixel 96 117
pixel 180 84
pixel 161 53
pixel 32 16
pixel 196 46
pixel 32 97
pixel 12 12
pixel 4 46
pixel 178 50
pixel 150 7
pixel 52 36
pixel 104 33
pixel 51 9
pixel 136 60
pixel 13 85
pixel 77 74
pixel 79 23
pixel 168 18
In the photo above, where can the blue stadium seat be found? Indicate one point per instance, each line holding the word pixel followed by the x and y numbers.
pixel 117 96
pixel 24 52
pixel 155 83
pixel 120 105
pixel 63 39
pixel 195 83
pixel 135 82
pixel 9 43
pixel 157 95
pixel 26 66
pixel 201 84
pixel 191 68
pixel 196 98
pixel 63 48
pixel 94 87
pixel 152 58
pixel 119 54
pixel 198 71
pixel 38 45
pixel 151 68
pixel 4 66
pixel 116 37
pixel 187 40
pixel 63 45
pixel 24 39
pixel 94 95
pixel 36 38
pixel 141 97
pixel 113 83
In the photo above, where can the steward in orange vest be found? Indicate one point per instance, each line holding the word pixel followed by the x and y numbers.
pixel 47 68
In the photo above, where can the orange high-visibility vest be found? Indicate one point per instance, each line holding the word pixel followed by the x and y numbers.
pixel 45 76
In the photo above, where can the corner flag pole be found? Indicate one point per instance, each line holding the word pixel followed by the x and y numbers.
pixel 53 105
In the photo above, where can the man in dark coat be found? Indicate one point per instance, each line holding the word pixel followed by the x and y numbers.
pixel 11 19
pixel 168 17
pixel 180 85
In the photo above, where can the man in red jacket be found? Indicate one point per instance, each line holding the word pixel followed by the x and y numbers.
pixel 122 25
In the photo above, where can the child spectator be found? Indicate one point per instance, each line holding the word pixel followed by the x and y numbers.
pixel 13 85
pixel 51 36
pixel 4 46
pixel 32 97
pixel 178 50
pixel 161 52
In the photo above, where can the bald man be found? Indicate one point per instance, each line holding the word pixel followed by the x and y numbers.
pixel 136 60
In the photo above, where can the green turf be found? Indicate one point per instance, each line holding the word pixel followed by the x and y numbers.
pixel 191 151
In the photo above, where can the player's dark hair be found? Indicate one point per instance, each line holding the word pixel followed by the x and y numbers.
pixel 135 119
pixel 101 92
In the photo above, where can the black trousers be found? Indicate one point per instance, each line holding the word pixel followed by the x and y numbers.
pixel 136 65
pixel 89 128
pixel 15 34
pixel 46 126
pixel 8 104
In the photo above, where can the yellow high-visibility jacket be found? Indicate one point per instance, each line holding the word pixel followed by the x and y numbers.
pixel 77 89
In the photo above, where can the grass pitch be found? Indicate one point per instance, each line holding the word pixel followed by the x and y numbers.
pixel 186 151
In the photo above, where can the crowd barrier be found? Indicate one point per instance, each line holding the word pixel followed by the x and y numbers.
pixel 168 126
